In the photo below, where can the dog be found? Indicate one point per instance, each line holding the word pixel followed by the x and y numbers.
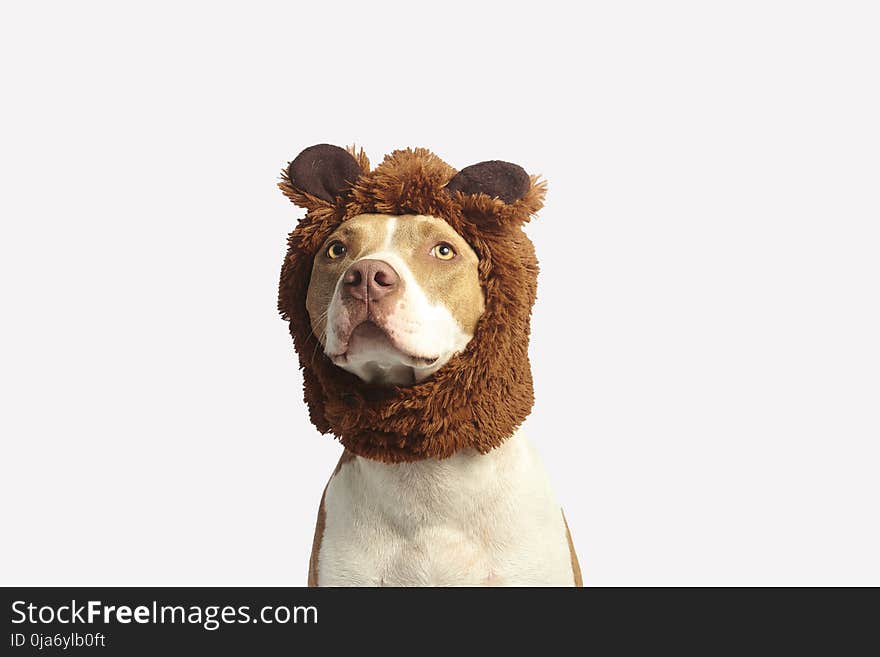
pixel 391 299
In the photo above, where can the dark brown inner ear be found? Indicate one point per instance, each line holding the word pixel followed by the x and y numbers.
pixel 324 170
pixel 498 179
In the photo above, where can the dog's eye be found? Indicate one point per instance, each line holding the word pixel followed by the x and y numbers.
pixel 443 251
pixel 336 250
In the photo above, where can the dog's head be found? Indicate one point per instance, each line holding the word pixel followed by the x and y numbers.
pixel 416 276
pixel 392 298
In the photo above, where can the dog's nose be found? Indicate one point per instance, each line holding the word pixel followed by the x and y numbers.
pixel 370 279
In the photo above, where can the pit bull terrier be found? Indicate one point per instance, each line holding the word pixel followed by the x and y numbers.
pixel 392 298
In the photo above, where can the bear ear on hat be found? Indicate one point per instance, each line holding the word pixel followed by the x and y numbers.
pixel 323 172
pixel 497 179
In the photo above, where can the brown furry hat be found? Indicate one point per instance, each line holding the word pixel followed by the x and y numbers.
pixel 481 395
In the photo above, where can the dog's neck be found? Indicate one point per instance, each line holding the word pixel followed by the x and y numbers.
pixel 437 486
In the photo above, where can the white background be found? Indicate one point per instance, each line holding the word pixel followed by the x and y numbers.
pixel 705 343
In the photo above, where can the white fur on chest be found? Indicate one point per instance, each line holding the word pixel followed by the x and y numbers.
pixel 469 520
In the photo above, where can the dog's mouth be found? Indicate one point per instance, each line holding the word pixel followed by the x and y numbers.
pixel 369 342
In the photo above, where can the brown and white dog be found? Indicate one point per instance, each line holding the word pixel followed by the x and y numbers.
pixel 391 299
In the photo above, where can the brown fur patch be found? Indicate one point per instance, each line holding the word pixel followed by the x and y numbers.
pixel 575 565
pixel 454 283
pixel 480 396
pixel 321 522
pixel 360 235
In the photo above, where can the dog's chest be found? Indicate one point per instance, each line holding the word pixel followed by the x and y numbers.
pixel 468 520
